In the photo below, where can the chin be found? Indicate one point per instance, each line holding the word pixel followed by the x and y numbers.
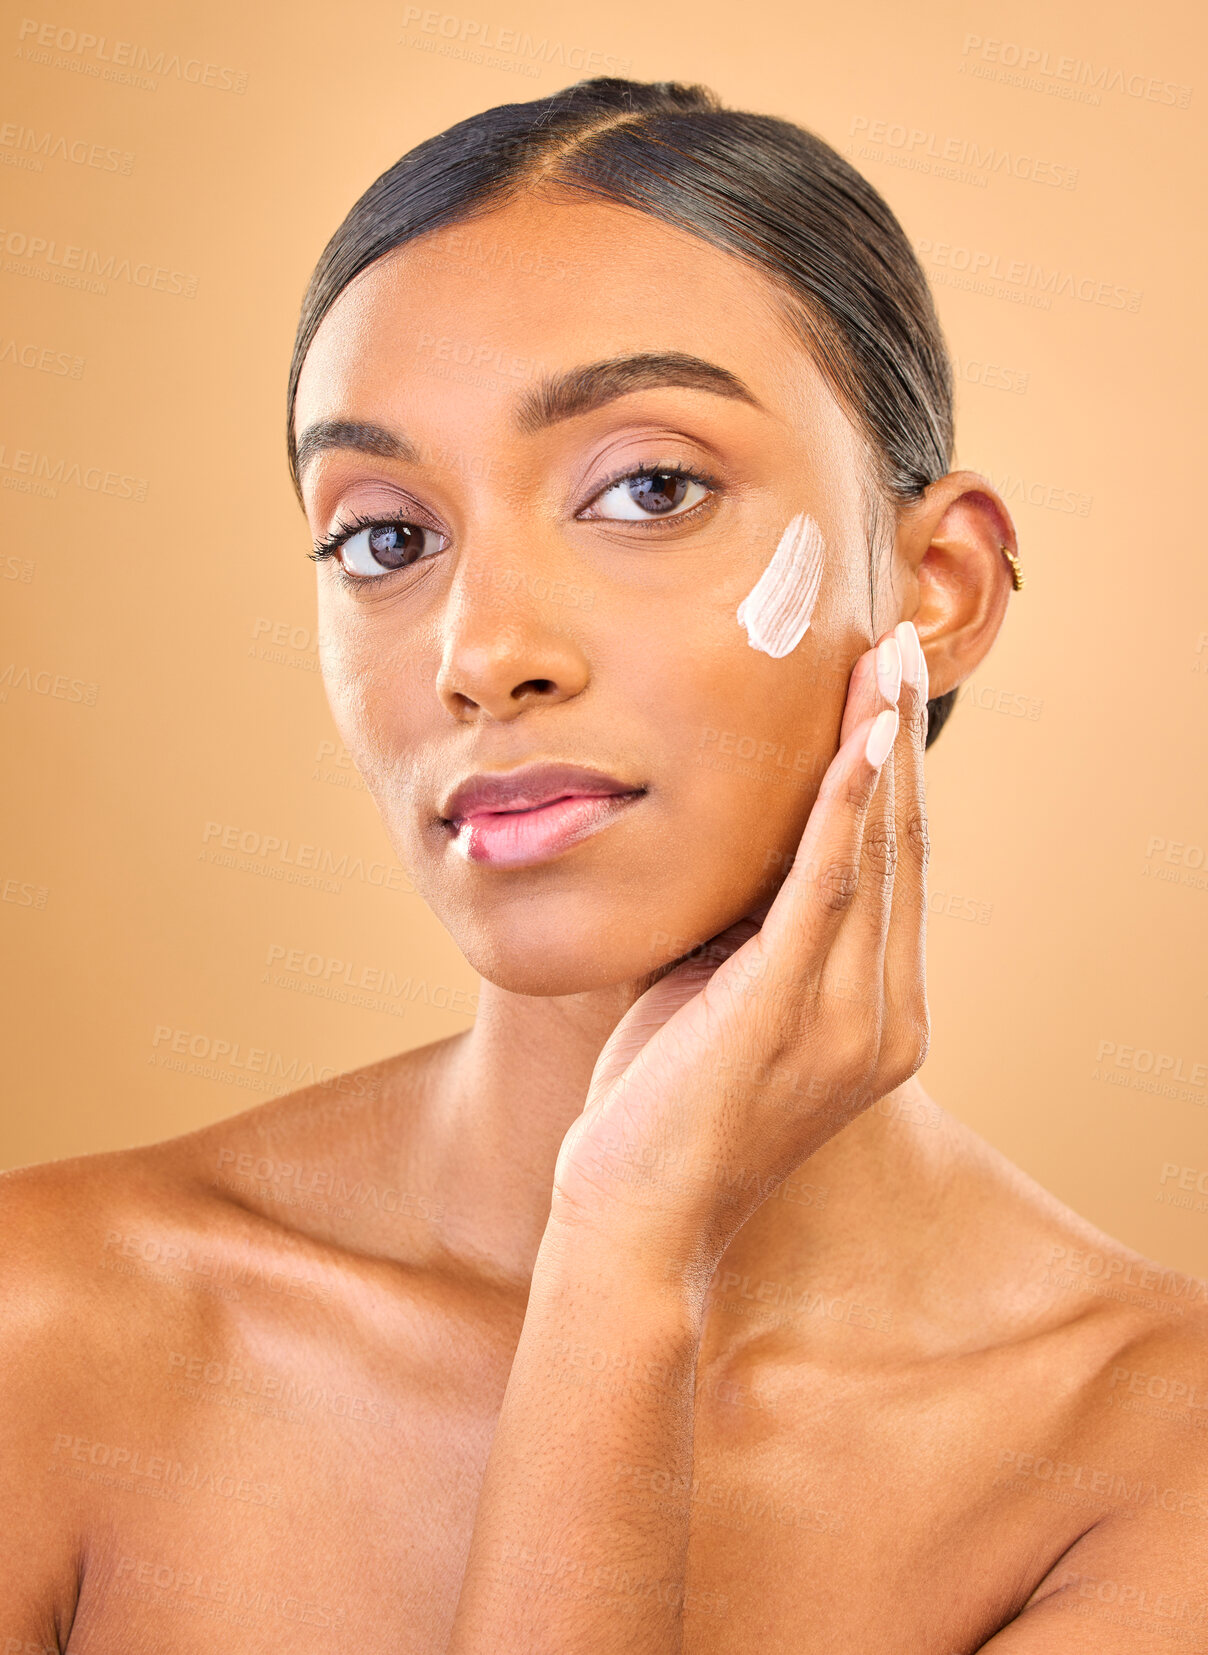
pixel 563 946
pixel 541 977
pixel 566 960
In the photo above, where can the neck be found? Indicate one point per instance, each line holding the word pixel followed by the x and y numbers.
pixel 517 1080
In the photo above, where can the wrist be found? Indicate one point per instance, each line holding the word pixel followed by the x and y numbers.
pixel 628 1259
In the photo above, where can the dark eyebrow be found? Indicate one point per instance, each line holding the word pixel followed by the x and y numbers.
pixel 581 390
pixel 354 434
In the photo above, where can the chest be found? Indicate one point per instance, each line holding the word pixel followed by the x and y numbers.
pixel 332 1503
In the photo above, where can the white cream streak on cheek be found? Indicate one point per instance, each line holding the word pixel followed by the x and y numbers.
pixel 777 610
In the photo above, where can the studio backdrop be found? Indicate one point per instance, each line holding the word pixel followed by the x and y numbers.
pixel 199 907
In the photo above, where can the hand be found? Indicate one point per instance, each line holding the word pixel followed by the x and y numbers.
pixel 753 1055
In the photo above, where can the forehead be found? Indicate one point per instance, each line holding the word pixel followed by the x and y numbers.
pixel 541 285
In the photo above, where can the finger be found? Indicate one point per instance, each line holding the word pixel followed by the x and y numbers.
pixel 906 1031
pixel 821 885
pixel 854 970
pixel 673 987
pixel 864 698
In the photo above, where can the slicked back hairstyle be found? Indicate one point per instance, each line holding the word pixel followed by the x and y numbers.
pixel 766 190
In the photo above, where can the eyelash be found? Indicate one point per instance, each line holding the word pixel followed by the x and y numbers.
pixel 682 473
pixel 344 530
pixel 348 526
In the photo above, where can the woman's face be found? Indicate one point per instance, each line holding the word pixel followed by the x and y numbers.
pixel 546 545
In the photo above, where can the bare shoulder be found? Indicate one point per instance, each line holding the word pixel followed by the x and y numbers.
pixel 68 1300
pixel 74 1220
pixel 53 1221
pixel 1106 1431
pixel 1129 1471
pixel 1145 1415
pixel 91 1241
pixel 71 1333
pixel 1099 1355
pixel 113 1268
pixel 1078 1371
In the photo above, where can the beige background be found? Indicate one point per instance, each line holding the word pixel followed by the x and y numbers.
pixel 158 691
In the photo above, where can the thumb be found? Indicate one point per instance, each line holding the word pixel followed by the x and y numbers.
pixel 682 981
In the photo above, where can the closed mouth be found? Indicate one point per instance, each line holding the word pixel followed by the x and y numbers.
pixel 520 817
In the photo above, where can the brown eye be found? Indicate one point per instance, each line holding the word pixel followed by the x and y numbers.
pixel 649 494
pixel 385 546
pixel 661 491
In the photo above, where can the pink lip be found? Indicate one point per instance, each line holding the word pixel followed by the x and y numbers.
pixel 518 817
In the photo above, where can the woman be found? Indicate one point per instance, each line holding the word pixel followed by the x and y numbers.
pixel 662 1310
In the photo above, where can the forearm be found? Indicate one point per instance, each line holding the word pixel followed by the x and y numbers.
pixel 568 1557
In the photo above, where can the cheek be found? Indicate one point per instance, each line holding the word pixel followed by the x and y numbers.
pixel 752 737
pixel 718 694
pixel 365 674
pixel 777 612
pixel 764 747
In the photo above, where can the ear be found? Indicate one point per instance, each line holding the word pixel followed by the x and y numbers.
pixel 948 546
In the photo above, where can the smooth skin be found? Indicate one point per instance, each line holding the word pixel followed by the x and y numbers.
pixel 662 1311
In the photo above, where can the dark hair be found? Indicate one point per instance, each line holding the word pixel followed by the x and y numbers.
pixel 772 193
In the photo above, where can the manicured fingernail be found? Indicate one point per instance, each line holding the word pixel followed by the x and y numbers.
pixel 889 670
pixel 881 737
pixel 912 652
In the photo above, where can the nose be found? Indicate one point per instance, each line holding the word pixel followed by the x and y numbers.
pixel 505 649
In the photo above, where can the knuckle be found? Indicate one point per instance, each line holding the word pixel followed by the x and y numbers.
pixel 851 1043
pixel 917 716
pixel 881 848
pixel 907 1051
pixel 862 1000
pixel 917 837
pixel 923 1041
pixel 852 790
pixel 781 1008
pixel 830 1034
pixel 836 884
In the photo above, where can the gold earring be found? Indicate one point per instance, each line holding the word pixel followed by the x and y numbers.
pixel 1016 573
